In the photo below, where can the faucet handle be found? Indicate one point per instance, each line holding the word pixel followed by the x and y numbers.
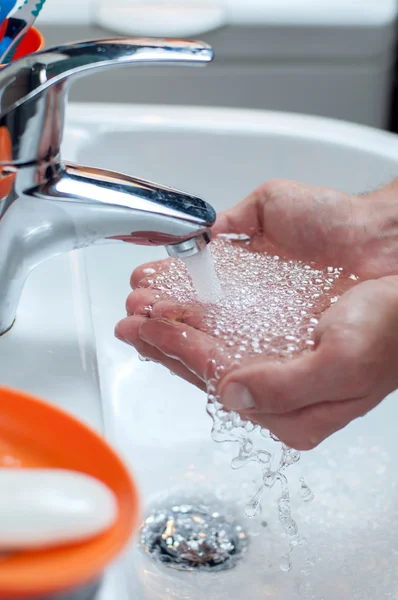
pixel 33 89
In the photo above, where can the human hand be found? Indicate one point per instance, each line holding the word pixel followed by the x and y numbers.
pixel 351 369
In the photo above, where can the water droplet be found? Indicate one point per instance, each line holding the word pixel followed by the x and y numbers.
pixel 254 504
pixel 285 564
pixel 306 493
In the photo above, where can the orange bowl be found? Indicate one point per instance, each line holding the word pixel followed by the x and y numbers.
pixel 35 434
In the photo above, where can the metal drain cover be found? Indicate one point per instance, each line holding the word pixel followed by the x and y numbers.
pixel 192 537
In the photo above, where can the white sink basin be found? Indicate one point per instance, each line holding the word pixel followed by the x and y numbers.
pixel 158 422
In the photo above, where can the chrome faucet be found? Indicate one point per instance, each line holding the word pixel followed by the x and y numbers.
pixel 50 206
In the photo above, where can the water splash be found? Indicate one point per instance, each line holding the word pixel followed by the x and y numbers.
pixel 262 306
pixel 253 505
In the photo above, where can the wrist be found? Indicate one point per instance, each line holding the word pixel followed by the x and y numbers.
pixel 379 220
pixel 382 215
pixel 386 193
pixel 383 204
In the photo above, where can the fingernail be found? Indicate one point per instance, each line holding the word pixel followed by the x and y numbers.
pixel 149 330
pixel 119 336
pixel 142 311
pixel 124 340
pixel 146 330
pixel 237 397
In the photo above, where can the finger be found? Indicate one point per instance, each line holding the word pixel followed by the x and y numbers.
pixel 141 275
pixel 127 331
pixel 140 302
pixel 167 309
pixel 245 217
pixel 191 347
pixel 306 428
pixel 249 215
pixel 145 302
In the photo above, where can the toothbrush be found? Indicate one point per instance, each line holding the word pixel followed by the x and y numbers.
pixel 18 24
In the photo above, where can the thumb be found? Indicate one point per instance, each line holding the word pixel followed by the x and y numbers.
pixel 275 388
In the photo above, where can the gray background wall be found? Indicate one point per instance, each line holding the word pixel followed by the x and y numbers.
pixel 249 73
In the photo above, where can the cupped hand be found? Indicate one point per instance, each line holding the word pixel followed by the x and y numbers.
pixel 352 367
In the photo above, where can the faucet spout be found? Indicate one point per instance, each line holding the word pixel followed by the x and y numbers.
pixel 34 89
pixel 189 247
pixel 80 206
pixel 103 205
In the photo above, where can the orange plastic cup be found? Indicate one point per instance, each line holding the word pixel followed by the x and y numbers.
pixel 35 434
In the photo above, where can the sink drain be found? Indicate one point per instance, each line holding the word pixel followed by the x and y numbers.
pixel 192 537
